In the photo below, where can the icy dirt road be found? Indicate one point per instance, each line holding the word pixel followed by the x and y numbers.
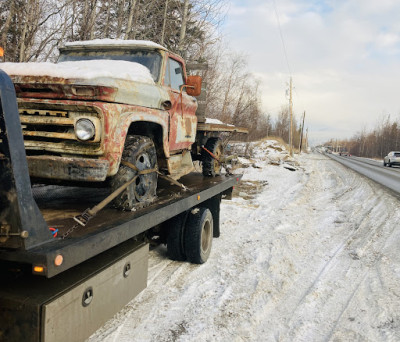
pixel 314 256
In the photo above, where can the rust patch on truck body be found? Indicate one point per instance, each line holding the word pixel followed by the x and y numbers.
pixel 58 88
pixel 68 169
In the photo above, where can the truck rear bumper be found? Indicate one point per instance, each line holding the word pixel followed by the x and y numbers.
pixel 70 169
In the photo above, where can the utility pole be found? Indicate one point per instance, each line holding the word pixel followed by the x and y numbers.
pixel 291 120
pixel 301 133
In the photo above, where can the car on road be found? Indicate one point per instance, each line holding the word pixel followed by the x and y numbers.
pixel 393 158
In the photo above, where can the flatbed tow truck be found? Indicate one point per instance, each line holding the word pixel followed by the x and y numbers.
pixel 61 281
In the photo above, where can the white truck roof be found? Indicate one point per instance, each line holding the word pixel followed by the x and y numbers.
pixel 108 43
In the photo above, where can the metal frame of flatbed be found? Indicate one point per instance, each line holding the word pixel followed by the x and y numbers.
pixel 29 238
pixel 77 249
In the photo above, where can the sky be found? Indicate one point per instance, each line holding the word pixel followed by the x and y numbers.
pixel 343 57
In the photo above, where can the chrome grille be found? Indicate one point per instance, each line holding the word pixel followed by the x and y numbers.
pixel 52 125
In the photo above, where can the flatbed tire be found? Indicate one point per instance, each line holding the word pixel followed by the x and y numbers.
pixel 198 235
pixel 175 249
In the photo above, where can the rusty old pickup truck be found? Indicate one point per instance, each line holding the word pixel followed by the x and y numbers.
pixel 107 105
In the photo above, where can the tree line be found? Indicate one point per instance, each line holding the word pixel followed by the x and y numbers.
pixel 376 143
pixel 31 31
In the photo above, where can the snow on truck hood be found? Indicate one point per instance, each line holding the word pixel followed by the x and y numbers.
pixel 82 70
pixel 133 81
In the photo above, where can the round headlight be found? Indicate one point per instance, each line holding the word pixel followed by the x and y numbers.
pixel 84 129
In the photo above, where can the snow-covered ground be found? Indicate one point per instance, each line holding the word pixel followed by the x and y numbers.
pixel 304 255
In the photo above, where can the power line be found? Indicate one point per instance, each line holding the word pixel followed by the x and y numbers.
pixel 281 35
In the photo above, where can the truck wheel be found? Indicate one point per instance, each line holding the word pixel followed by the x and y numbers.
pixel 139 151
pixel 198 236
pixel 211 167
pixel 176 227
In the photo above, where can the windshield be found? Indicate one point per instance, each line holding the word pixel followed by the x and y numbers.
pixel 150 59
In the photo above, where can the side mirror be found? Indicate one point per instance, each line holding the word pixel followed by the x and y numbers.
pixel 193 85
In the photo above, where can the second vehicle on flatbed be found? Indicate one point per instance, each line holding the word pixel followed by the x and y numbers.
pixel 110 104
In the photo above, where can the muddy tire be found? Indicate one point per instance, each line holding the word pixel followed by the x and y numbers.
pixel 176 228
pixel 139 151
pixel 211 167
pixel 198 235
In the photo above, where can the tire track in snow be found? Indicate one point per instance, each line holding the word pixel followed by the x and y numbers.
pixel 323 278
pixel 328 276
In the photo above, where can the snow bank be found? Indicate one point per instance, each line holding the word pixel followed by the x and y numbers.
pixel 267 152
pixel 82 70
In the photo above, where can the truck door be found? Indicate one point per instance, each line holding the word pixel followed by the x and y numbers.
pixel 183 121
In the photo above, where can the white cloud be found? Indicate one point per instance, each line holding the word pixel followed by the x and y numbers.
pixel 343 55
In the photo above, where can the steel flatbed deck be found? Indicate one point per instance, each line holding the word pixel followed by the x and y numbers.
pixel 110 227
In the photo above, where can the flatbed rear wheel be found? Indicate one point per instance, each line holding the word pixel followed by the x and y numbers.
pixel 139 151
pixel 198 235
pixel 176 228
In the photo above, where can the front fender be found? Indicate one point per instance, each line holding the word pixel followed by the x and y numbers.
pixel 126 119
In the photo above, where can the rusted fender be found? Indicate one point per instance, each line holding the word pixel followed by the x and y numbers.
pixel 116 132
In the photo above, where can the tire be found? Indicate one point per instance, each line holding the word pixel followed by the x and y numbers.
pixel 139 151
pixel 198 236
pixel 176 225
pixel 211 167
pixel 390 165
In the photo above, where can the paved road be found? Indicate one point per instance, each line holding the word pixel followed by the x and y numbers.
pixel 387 176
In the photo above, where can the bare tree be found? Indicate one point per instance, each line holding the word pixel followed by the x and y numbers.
pixel 132 8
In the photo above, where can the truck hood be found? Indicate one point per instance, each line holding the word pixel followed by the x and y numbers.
pixel 104 80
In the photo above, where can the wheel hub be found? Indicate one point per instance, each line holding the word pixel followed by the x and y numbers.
pixel 143 182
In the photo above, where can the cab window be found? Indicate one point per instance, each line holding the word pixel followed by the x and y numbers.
pixel 174 74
